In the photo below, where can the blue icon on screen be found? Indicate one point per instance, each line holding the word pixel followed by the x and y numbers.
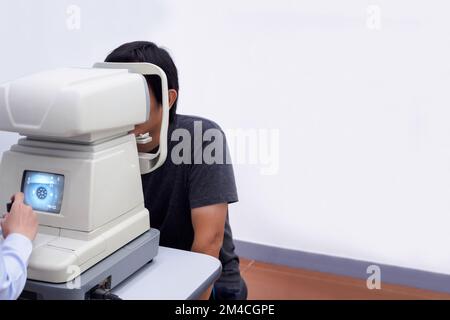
pixel 43 191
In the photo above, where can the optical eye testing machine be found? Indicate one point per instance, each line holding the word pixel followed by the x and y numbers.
pixel 79 169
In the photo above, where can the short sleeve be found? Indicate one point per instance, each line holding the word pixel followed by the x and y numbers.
pixel 211 175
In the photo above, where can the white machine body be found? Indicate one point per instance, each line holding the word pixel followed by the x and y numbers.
pixel 78 166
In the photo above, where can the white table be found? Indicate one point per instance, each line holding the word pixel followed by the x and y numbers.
pixel 173 275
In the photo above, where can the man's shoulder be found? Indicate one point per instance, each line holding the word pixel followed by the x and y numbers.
pixel 189 122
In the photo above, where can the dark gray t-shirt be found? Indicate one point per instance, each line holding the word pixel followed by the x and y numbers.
pixel 171 191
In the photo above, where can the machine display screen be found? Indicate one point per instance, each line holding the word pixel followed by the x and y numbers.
pixel 43 191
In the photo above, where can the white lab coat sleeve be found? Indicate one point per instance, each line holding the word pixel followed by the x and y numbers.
pixel 14 254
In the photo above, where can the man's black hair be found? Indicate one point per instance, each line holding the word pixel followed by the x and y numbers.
pixel 145 51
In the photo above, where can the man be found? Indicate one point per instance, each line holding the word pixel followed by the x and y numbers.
pixel 188 202
pixel 19 228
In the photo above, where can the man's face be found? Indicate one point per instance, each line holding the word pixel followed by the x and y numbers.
pixel 152 126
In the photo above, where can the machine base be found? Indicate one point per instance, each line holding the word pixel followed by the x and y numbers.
pixel 108 273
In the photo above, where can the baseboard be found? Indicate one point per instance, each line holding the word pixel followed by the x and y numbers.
pixel 343 266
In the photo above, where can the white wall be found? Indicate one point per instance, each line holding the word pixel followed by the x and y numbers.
pixel 362 112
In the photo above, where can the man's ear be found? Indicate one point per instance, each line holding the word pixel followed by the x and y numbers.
pixel 173 94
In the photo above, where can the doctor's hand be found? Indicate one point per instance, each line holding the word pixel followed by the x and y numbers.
pixel 21 219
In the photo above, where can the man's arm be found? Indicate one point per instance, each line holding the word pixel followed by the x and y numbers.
pixel 209 225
